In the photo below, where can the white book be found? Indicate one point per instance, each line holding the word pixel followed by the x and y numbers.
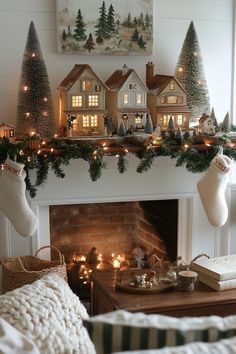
pixel 217 285
pixel 218 268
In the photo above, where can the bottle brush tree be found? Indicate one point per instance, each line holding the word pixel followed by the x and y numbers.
pixel 225 126
pixel 35 112
pixel 148 125
pixel 190 72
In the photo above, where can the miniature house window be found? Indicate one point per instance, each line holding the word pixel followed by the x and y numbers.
pixel 139 98
pixel 162 99
pixel 179 119
pixel 165 120
pixel 94 121
pixel 11 133
pixel 172 99
pixel 76 101
pixel 180 99
pixel 172 86
pixel 87 85
pixel 132 86
pixel 90 121
pixel 138 119
pixel 209 122
pixel 97 88
pixel 85 121
pixel 125 98
pixel 93 100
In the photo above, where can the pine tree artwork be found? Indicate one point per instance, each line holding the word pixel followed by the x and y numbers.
pixel 35 111
pixel 102 25
pixel 80 32
pixel 190 72
pixel 89 43
pixel 112 25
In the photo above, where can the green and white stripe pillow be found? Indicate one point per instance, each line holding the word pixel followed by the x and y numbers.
pixel 121 330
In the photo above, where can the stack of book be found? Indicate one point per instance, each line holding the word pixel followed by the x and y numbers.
pixel 219 272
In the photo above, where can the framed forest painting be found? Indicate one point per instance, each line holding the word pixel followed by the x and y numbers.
pixel 113 27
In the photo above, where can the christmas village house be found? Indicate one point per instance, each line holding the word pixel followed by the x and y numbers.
pixel 127 99
pixel 82 102
pixel 205 125
pixel 7 131
pixel 166 98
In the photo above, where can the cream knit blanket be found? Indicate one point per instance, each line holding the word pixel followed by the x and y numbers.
pixel 50 314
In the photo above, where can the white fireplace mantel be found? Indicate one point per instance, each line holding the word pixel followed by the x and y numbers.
pixel 162 181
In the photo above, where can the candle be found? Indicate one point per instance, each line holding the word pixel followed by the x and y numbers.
pixel 186 280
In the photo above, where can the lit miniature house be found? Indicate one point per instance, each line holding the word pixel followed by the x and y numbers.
pixel 82 102
pixel 166 98
pixel 206 125
pixel 7 131
pixel 127 99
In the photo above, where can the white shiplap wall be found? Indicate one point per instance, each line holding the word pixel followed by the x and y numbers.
pixel 212 19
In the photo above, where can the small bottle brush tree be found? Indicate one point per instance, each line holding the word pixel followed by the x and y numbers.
pixel 225 126
pixel 122 130
pixel 213 117
pixel 190 72
pixel 35 112
pixel 148 125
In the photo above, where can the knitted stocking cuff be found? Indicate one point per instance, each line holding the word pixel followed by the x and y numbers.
pixel 221 163
pixel 13 167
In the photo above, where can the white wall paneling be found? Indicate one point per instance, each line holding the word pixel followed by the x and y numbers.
pixel 214 22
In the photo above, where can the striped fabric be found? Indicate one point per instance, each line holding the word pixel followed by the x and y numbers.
pixel 122 331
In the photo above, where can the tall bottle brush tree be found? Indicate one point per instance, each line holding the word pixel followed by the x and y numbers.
pixel 35 112
pixel 190 72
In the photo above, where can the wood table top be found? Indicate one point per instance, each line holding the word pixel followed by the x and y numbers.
pixel 167 302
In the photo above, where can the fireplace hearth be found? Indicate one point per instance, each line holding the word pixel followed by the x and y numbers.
pixel 115 228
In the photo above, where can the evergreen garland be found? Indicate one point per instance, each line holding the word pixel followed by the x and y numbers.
pixel 193 153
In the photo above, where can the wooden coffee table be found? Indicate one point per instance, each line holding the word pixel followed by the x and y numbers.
pixel 203 301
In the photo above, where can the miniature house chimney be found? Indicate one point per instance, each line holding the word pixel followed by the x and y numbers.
pixel 124 69
pixel 149 73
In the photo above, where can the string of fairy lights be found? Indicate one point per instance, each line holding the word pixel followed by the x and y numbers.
pixel 195 154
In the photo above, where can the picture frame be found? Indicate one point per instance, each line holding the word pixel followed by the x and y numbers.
pixel 111 27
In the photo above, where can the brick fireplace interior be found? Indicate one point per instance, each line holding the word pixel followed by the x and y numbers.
pixel 115 227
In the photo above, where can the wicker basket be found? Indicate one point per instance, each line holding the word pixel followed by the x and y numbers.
pixel 18 271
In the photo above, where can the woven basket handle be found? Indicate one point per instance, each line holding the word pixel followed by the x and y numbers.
pixel 61 256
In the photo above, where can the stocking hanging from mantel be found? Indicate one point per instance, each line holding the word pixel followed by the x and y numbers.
pixel 211 188
pixel 13 201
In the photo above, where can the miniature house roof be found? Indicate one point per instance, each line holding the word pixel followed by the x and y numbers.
pixel 75 74
pixel 6 126
pixel 160 82
pixel 119 77
pixel 204 117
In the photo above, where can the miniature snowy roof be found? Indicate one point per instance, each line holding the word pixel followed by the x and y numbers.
pixel 75 74
pixel 159 83
pixel 119 77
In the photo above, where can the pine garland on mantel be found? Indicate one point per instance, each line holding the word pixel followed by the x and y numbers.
pixel 195 154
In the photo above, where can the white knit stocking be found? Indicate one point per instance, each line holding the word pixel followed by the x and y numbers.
pixel 211 188
pixel 13 202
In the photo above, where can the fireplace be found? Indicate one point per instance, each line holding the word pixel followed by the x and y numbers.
pixel 163 181
pixel 115 228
